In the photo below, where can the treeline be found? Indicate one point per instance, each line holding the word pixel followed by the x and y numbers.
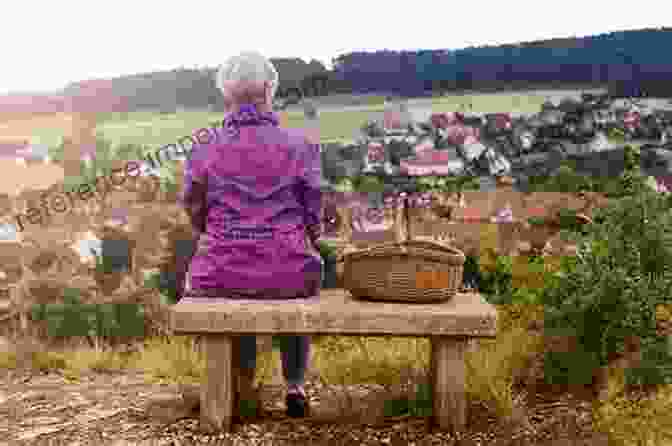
pixel 627 61
pixel 624 60
pixel 195 88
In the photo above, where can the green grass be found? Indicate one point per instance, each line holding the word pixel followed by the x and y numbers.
pixel 524 103
pixel 154 130
pixel 49 136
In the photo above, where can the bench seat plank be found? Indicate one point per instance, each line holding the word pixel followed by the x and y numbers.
pixel 335 312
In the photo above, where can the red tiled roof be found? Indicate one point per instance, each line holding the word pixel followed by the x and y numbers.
pixel 537 211
pixel 470 213
pixel 666 181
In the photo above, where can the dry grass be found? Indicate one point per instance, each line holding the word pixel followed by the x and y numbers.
pixel 349 360
pixel 493 369
pixel 634 420
pixel 85 359
pixel 172 360
pixel 497 365
pixel 339 361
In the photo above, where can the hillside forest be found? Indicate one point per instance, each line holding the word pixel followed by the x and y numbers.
pixel 628 62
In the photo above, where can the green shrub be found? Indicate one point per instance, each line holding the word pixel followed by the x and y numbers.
pixel 472 275
pixel 609 292
pixel 495 283
pixel 165 282
pixel 73 318
pixel 104 264
pixel 446 184
pixel 368 183
pixel 567 221
pixel 420 406
pixel 566 179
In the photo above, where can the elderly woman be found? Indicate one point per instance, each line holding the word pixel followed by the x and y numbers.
pixel 253 195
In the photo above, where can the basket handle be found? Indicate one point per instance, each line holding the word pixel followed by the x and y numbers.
pixel 346 223
pixel 402 231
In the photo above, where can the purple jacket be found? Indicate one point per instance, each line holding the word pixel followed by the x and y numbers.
pixel 253 195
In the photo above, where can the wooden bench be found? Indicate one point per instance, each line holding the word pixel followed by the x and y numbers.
pixel 334 312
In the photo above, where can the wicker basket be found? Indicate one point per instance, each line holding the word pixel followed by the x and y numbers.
pixel 412 271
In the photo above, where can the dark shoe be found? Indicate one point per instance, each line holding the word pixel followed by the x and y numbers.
pixel 297 406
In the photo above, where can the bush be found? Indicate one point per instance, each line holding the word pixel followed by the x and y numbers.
pixel 510 279
pixel 567 220
pixel 495 282
pixel 73 318
pixel 566 179
pixel 630 182
pixel 420 406
pixel 166 283
pixel 472 276
pixel 608 294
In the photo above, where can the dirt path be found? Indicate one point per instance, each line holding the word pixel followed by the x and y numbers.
pixel 34 408
pixel 113 409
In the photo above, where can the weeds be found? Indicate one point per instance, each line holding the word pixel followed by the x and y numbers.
pixel 173 360
pixel 493 369
pixel 97 359
pixel 394 363
pixel 346 360
pixel 496 365
pixel 631 420
pixel 35 360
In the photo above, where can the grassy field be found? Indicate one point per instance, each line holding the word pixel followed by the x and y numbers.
pixel 153 129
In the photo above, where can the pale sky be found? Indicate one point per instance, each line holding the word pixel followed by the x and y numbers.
pixel 45 45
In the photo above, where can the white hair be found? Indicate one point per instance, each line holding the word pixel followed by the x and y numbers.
pixel 248 66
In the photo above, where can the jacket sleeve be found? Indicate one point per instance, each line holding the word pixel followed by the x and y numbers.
pixel 310 173
pixel 194 201
pixel 194 197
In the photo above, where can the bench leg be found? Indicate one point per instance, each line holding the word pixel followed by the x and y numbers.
pixel 449 383
pixel 217 390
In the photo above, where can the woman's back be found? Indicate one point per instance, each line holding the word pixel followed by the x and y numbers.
pixel 260 187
